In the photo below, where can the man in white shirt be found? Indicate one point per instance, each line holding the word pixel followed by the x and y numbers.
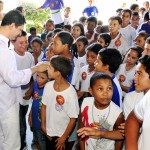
pixel 10 81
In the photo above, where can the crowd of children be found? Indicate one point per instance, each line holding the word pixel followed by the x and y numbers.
pixel 82 101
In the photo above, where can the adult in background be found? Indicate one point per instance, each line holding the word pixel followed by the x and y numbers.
pixel 10 81
pixel 56 11
pixel 90 10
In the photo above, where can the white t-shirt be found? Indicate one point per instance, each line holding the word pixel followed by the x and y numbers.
pixel 67 21
pixel 24 62
pixel 102 120
pixel 122 47
pixel 82 61
pixel 129 33
pixel 130 100
pixel 60 107
pixel 125 76
pixel 142 111
pixel 85 77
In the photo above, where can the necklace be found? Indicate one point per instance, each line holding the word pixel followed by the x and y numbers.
pixel 100 118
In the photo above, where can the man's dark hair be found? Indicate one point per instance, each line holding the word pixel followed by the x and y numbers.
pixel 111 57
pixel 61 64
pixel 99 75
pixel 13 16
pixel 20 8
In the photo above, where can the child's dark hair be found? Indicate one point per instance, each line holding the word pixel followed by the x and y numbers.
pixel 116 18
pixel 32 29
pixel 66 38
pixel 99 75
pixel 45 72
pixel 111 57
pixel 106 37
pixel 146 16
pixel 138 50
pixel 104 29
pixel 92 19
pixel 135 14
pixel 82 19
pixel 126 10
pixel 143 34
pixel 68 26
pixel 145 61
pixel 83 39
pixel 61 64
pixel 37 40
pixel 94 47
pixel 49 34
pixel 80 26
pixel 147 40
pixel 19 8
pixel 23 33
pixel 57 30
pixel 133 7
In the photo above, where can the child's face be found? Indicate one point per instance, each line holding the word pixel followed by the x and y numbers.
pixel 49 26
pixel 125 17
pixel 21 45
pixel 1 6
pixel 42 79
pixel 76 31
pixel 132 57
pixel 99 66
pixel 67 11
pixel 146 49
pixel 101 41
pixel 91 26
pixel 36 47
pixel 58 46
pixel 141 77
pixel 135 21
pixel 102 92
pixel 114 26
pixel 139 41
pixel 91 57
pixel 49 53
pixel 80 46
pixel 33 33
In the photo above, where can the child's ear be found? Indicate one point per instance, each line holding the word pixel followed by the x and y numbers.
pixel 90 91
pixel 106 67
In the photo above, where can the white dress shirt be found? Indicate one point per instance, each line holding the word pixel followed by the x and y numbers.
pixel 10 77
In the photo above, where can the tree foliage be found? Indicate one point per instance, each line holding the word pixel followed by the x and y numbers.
pixel 36 19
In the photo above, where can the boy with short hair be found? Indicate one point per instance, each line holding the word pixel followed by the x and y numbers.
pixel 60 105
pixel 126 29
pixel 108 61
pixel 118 41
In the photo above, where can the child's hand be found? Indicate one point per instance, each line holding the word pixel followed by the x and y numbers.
pixel 121 128
pixel 60 143
pixel 28 95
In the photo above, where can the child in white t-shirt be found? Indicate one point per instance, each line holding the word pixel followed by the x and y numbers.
pixel 81 43
pixel 126 71
pixel 88 70
pixel 100 116
pixel 59 105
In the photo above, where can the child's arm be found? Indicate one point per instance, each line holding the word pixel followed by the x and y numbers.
pixel 30 118
pixel 119 143
pixel 43 118
pixel 62 139
pixel 132 128
pixel 125 88
pixel 81 140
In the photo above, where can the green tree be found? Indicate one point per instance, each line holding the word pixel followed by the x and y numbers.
pixel 36 19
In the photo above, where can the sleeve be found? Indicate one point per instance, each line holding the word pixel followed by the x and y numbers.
pixel 126 105
pixel 9 72
pixel 142 106
pixel 46 4
pixel 45 94
pixel 62 3
pixel 97 10
pixel 73 105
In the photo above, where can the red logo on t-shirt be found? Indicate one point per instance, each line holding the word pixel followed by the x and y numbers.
pixel 36 95
pixel 60 99
pixel 122 78
pixel 118 42
pixel 84 75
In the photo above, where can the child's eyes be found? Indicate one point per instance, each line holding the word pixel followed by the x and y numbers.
pixel 109 88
